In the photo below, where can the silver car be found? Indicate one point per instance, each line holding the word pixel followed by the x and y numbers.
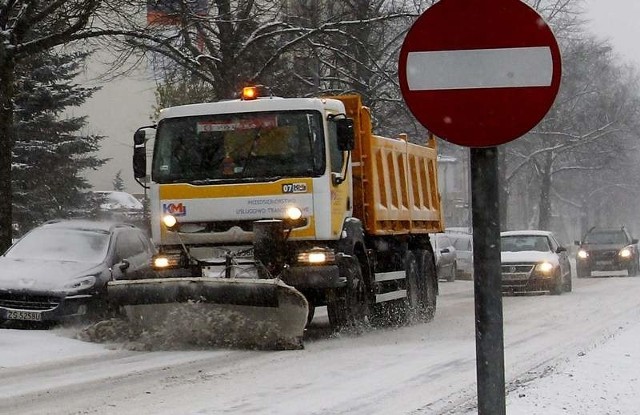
pixel 534 261
pixel 463 242
pixel 445 253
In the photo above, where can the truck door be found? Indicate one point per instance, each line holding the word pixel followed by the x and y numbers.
pixel 340 185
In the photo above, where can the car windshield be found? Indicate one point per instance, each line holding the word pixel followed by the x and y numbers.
pixel 238 147
pixel 606 237
pixel 62 245
pixel 520 243
pixel 461 243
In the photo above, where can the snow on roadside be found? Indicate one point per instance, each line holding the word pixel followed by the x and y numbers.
pixel 28 347
pixel 604 380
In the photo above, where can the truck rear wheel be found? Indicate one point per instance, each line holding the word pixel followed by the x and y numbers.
pixel 427 285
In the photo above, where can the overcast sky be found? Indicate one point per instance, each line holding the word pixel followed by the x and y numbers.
pixel 619 22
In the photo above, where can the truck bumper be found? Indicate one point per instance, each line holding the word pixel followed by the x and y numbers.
pixel 326 276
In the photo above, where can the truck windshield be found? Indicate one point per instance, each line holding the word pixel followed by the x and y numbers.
pixel 239 147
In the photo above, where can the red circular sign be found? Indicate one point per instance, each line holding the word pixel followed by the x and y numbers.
pixel 479 73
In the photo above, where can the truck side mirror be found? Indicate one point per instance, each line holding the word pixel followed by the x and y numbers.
pixel 139 137
pixel 346 138
pixel 139 162
pixel 140 153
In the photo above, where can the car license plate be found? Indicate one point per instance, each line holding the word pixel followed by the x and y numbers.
pixel 603 263
pixel 516 277
pixel 24 315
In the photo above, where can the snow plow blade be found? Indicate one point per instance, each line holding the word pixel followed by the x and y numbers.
pixel 255 313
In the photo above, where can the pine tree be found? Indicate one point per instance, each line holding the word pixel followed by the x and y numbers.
pixel 118 182
pixel 50 152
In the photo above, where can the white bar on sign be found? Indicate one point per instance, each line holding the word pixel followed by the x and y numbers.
pixel 480 68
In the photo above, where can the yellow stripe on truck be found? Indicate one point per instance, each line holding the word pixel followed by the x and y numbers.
pixel 181 191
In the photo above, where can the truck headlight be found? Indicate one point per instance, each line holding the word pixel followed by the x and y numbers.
pixel 165 261
pixel 317 256
pixel 582 254
pixel 169 221
pixel 544 267
pixel 625 253
pixel 293 213
pixel 293 218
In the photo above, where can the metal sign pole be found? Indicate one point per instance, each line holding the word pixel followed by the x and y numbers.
pixel 487 281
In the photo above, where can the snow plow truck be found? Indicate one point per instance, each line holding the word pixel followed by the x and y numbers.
pixel 268 207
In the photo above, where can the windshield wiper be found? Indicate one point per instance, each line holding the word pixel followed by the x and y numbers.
pixel 250 153
pixel 207 181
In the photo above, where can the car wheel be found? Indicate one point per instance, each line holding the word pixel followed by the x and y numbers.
pixel 633 269
pixel 558 284
pixel 568 284
pixel 582 272
pixel 452 276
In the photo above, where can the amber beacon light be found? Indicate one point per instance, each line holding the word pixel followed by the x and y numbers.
pixel 249 92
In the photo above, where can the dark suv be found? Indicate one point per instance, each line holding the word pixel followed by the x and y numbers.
pixel 607 252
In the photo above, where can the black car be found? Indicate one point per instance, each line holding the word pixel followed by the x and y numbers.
pixel 607 252
pixel 60 270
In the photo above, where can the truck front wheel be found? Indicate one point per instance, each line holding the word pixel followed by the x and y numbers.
pixel 348 306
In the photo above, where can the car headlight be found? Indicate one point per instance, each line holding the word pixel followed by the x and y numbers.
pixel 625 253
pixel 582 254
pixel 544 267
pixel 80 284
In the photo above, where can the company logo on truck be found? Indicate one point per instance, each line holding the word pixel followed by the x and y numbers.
pixel 294 188
pixel 175 209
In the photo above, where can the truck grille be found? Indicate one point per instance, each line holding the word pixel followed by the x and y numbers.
pixel 224 226
pixel 28 302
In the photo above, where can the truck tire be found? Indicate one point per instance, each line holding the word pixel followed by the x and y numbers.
pixel 348 306
pixel 311 312
pixel 427 284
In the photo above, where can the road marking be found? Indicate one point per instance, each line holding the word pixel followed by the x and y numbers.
pixel 480 68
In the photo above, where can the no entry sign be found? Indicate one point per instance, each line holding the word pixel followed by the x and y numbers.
pixel 479 73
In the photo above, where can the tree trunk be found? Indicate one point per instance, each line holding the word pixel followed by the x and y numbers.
pixel 7 139
pixel 544 218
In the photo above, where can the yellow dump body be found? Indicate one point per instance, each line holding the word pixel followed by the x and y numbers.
pixel 395 183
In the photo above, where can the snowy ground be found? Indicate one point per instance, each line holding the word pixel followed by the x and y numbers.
pixel 604 380
pixel 571 354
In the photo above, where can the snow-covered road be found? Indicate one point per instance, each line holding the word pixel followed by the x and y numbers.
pixel 422 369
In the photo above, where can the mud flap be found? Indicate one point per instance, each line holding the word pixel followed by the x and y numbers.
pixel 255 313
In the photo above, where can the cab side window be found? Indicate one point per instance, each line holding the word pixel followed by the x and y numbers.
pixel 337 157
